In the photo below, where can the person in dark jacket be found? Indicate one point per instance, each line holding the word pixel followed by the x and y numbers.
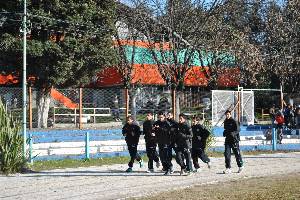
pixel 297 119
pixel 132 133
pixel 173 133
pixel 200 135
pixel 288 115
pixel 272 113
pixel 162 132
pixel 232 138
pixel 151 142
pixel 184 145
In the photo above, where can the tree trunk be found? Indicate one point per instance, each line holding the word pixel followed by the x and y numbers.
pixel 43 104
pixel 133 96
pixel 126 103
pixel 173 94
pixel 178 99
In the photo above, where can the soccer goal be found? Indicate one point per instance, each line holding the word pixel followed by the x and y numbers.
pixel 241 103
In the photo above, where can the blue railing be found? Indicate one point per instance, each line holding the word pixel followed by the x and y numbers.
pixel 75 135
pixel 86 136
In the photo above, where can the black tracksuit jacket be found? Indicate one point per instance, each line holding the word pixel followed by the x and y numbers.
pixel 231 131
pixel 200 135
pixel 162 133
pixel 184 136
pixel 173 130
pixel 148 131
pixel 132 133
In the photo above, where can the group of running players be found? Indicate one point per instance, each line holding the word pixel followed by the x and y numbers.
pixel 187 142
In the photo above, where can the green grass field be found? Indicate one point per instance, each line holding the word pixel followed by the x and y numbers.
pixel 69 163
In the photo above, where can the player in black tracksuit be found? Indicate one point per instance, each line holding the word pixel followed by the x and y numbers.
pixel 200 135
pixel 151 142
pixel 162 133
pixel 132 133
pixel 173 133
pixel 183 142
pixel 232 138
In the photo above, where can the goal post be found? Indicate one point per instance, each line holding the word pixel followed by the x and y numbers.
pixel 240 102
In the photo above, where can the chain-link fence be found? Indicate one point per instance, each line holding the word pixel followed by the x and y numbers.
pixel 98 106
pixel 106 107
pixel 12 100
pixel 102 107
pixel 104 110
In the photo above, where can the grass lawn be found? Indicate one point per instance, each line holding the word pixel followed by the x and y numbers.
pixel 265 188
pixel 69 163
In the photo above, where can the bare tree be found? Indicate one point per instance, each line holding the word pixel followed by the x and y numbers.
pixel 183 34
pixel 172 53
pixel 126 39
pixel 224 46
pixel 282 47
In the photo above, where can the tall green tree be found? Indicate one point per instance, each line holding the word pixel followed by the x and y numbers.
pixel 69 41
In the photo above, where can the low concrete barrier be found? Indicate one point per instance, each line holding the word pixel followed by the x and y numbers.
pixel 117 146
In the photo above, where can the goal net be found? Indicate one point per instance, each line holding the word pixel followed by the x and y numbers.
pixel 241 103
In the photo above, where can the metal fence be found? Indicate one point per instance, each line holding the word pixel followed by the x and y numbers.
pixel 106 107
pixel 103 107
pixel 104 110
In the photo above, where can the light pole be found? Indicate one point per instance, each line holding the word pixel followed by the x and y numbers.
pixel 24 78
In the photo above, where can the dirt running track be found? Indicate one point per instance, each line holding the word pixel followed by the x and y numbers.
pixel 110 182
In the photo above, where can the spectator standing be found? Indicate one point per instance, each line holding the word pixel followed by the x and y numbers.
pixel 297 117
pixel 272 113
pixel 279 122
pixel 115 109
pixel 288 115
